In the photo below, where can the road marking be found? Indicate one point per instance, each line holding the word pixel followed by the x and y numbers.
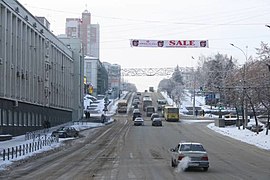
pixel 131 155
pixel 100 136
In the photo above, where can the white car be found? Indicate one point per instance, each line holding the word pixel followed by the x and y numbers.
pixel 138 121
pixel 194 155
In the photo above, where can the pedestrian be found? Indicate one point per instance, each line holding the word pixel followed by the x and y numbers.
pixel 203 113
pixel 196 112
pixel 103 118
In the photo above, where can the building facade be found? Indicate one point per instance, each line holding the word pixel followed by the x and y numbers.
pixel 96 75
pixel 73 27
pixel 79 28
pixel 114 78
pixel 88 33
pixel 36 73
pixel 93 41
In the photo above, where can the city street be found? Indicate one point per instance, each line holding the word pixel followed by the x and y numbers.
pixel 124 151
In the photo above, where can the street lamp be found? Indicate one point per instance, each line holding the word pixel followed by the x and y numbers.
pixel 194 82
pixel 244 86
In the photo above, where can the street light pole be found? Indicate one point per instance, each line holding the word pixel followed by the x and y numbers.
pixel 194 82
pixel 244 86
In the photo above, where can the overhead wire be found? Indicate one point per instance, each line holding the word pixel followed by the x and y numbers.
pixel 241 14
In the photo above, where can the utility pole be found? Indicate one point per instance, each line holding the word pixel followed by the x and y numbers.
pixel 244 87
pixel 267 126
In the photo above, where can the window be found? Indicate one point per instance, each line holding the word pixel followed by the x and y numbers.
pixel 197 147
pixel 28 119
pixel 20 118
pixel 10 118
pixel 15 118
pixel 185 147
pixel 4 112
pixel 1 119
pixel 24 118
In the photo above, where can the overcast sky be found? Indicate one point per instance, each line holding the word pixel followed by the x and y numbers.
pixel 241 22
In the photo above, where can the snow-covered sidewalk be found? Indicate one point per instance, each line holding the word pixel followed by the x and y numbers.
pixel 260 140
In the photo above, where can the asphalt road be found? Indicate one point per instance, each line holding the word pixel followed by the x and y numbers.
pixel 123 151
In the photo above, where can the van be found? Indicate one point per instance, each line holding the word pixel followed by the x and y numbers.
pixel 150 110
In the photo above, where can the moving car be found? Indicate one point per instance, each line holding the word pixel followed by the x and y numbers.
pixel 138 121
pixel 136 113
pixel 194 153
pixel 64 132
pixel 154 115
pixel 157 122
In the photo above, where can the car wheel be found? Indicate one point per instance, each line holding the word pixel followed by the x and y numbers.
pixel 205 169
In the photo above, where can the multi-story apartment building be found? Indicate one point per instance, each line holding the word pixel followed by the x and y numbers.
pixel 88 33
pixel 73 28
pixel 37 83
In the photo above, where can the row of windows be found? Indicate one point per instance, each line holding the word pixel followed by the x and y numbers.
pixel 25 54
pixel 19 118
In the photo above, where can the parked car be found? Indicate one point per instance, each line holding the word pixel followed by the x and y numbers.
pixel 64 132
pixel 92 98
pixel 136 113
pixel 100 96
pixel 157 122
pixel 197 155
pixel 138 121
pixel 154 115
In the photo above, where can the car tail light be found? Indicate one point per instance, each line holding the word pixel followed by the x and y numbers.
pixel 205 158
pixel 180 157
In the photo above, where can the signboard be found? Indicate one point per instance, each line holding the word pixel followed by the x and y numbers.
pixel 169 43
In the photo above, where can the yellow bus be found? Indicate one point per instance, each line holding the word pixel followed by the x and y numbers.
pixel 171 113
pixel 122 106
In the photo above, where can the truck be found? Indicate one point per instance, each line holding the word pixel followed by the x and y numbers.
pixel 150 110
pixel 122 106
pixel 147 101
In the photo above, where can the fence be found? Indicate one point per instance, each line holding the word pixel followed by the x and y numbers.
pixel 24 149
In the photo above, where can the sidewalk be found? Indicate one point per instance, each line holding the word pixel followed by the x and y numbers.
pixel 32 143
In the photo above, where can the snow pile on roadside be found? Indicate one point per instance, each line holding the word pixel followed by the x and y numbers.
pixel 260 140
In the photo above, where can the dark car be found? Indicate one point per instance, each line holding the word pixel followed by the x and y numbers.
pixel 136 113
pixel 154 115
pixel 157 122
pixel 65 132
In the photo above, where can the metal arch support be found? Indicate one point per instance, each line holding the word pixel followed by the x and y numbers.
pixel 151 71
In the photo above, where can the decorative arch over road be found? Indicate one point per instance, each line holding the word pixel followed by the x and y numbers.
pixel 152 71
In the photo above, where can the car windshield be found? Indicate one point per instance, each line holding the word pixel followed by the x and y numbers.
pixel 191 147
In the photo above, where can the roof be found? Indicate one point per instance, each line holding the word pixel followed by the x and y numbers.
pixel 190 143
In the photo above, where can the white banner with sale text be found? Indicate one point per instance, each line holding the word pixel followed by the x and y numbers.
pixel 169 43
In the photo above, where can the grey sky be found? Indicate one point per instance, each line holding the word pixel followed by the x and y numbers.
pixel 241 22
